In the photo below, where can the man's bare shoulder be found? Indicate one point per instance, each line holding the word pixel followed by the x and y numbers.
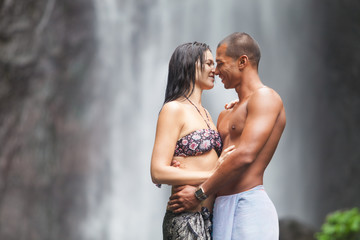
pixel 266 96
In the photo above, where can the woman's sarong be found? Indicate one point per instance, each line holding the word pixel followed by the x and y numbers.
pixel 187 225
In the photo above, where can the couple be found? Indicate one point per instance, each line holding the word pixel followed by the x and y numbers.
pixel 188 147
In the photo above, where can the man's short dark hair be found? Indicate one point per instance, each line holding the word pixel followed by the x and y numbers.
pixel 239 44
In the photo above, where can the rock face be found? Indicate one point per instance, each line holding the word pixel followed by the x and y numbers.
pixel 293 230
pixel 336 123
pixel 45 98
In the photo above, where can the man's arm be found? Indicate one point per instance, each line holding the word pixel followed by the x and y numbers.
pixel 263 110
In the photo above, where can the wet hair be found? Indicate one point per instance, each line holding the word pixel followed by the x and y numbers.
pixel 239 44
pixel 182 69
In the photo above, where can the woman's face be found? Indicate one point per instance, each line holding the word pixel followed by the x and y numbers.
pixel 205 77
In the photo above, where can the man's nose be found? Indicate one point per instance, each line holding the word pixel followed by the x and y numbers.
pixel 217 71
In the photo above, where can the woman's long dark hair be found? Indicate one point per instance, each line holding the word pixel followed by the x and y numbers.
pixel 182 69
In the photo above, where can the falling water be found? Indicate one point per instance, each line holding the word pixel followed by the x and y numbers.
pixel 136 39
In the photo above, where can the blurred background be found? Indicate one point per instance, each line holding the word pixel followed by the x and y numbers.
pixel 82 83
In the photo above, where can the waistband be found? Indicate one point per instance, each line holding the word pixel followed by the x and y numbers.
pixel 206 214
pixel 258 187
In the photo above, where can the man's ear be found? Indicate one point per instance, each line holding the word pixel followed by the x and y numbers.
pixel 242 61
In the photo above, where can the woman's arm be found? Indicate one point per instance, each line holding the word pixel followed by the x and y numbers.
pixel 168 130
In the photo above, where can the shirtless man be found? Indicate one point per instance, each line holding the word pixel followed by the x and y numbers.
pixel 254 125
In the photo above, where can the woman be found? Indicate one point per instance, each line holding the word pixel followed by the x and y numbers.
pixel 185 133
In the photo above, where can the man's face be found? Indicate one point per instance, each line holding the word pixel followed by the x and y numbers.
pixel 225 67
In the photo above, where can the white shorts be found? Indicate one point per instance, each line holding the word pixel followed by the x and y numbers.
pixel 248 215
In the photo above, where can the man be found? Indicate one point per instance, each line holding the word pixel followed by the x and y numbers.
pixel 242 209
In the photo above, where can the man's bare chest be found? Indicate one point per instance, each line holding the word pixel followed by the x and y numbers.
pixel 232 124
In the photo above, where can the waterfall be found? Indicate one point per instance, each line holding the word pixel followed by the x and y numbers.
pixel 136 40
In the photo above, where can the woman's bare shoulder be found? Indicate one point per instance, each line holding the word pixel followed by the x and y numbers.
pixel 173 109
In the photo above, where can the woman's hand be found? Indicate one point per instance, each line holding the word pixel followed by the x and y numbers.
pixel 175 163
pixel 224 154
pixel 231 104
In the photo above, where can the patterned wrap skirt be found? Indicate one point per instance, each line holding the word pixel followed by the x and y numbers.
pixel 187 225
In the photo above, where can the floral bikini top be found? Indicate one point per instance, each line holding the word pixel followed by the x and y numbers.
pixel 199 141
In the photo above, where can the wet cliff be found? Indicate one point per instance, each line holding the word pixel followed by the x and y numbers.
pixel 337 101
pixel 46 51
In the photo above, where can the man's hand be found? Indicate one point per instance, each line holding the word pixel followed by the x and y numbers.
pixel 183 199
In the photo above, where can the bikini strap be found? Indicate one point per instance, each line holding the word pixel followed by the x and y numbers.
pixel 200 113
